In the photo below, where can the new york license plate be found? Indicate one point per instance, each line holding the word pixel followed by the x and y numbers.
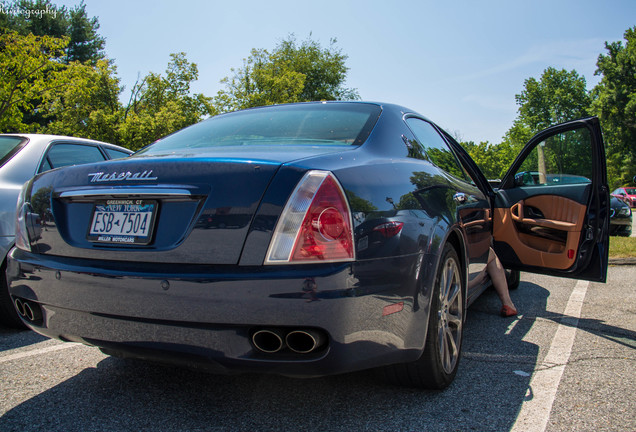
pixel 123 221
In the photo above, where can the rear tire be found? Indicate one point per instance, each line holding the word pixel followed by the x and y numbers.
pixel 437 366
pixel 513 277
pixel 8 315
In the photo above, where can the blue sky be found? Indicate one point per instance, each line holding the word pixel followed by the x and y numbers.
pixel 460 63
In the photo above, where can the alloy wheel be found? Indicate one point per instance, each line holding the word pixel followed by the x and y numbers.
pixel 451 315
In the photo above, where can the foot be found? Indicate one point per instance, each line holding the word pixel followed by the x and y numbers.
pixel 507 311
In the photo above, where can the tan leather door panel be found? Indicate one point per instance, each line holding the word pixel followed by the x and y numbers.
pixel 543 230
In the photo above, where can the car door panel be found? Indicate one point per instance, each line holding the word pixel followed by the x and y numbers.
pixel 542 230
pixel 551 212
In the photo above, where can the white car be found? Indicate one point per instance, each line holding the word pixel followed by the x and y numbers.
pixel 23 156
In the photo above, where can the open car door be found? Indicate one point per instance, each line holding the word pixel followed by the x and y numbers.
pixel 551 211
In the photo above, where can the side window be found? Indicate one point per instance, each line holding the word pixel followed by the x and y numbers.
pixel 61 155
pixel 435 148
pixel 565 158
pixel 115 154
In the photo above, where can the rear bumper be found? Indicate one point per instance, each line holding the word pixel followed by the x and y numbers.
pixel 205 315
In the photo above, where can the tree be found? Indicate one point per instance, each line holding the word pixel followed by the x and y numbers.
pixel 45 41
pixel 615 105
pixel 43 18
pixel 559 96
pixel 85 45
pixel 28 71
pixel 161 105
pixel 291 73
pixel 324 69
pixel 88 108
pixel 492 159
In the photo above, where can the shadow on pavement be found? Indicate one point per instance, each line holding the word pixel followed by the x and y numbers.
pixel 11 338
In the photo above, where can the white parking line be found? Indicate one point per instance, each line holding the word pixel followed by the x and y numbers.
pixel 535 409
pixel 24 354
pixel 512 325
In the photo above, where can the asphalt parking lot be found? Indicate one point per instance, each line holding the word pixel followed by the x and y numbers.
pixel 566 363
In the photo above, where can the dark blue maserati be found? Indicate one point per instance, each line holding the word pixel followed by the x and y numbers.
pixel 303 240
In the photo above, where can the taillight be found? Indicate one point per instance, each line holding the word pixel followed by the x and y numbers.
pixel 389 229
pixel 315 225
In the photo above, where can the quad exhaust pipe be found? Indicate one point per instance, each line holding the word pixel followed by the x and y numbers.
pixel 28 310
pixel 300 341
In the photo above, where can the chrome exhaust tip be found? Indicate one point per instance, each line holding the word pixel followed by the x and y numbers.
pixel 268 340
pixel 30 311
pixel 19 306
pixel 304 341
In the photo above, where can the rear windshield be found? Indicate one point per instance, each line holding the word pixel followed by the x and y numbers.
pixel 9 146
pixel 631 191
pixel 320 124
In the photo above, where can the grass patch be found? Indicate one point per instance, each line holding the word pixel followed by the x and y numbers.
pixel 622 247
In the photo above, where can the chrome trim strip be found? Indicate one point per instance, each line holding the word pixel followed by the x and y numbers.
pixel 126 191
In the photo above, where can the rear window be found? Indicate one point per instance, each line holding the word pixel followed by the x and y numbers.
pixel 9 146
pixel 320 124
pixel 61 155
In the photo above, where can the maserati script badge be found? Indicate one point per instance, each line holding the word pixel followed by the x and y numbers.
pixel 101 177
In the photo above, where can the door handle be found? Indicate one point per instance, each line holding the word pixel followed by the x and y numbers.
pixel 517 211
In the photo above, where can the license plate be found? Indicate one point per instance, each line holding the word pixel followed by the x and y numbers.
pixel 123 221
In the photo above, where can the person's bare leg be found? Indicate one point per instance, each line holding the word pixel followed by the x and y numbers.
pixel 498 277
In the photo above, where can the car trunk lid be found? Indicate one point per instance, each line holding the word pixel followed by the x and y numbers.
pixel 178 210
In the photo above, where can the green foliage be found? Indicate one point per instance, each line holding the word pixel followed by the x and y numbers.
pixel 260 81
pixel 558 96
pixel 88 106
pixel 615 105
pixel 291 73
pixel 493 159
pixel 42 83
pixel 324 69
pixel 82 99
pixel 516 137
pixel 567 153
pixel 29 71
pixel 43 18
pixel 161 105
pixel 85 44
pixel 54 78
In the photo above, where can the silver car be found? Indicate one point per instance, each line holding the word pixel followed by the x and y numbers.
pixel 22 156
